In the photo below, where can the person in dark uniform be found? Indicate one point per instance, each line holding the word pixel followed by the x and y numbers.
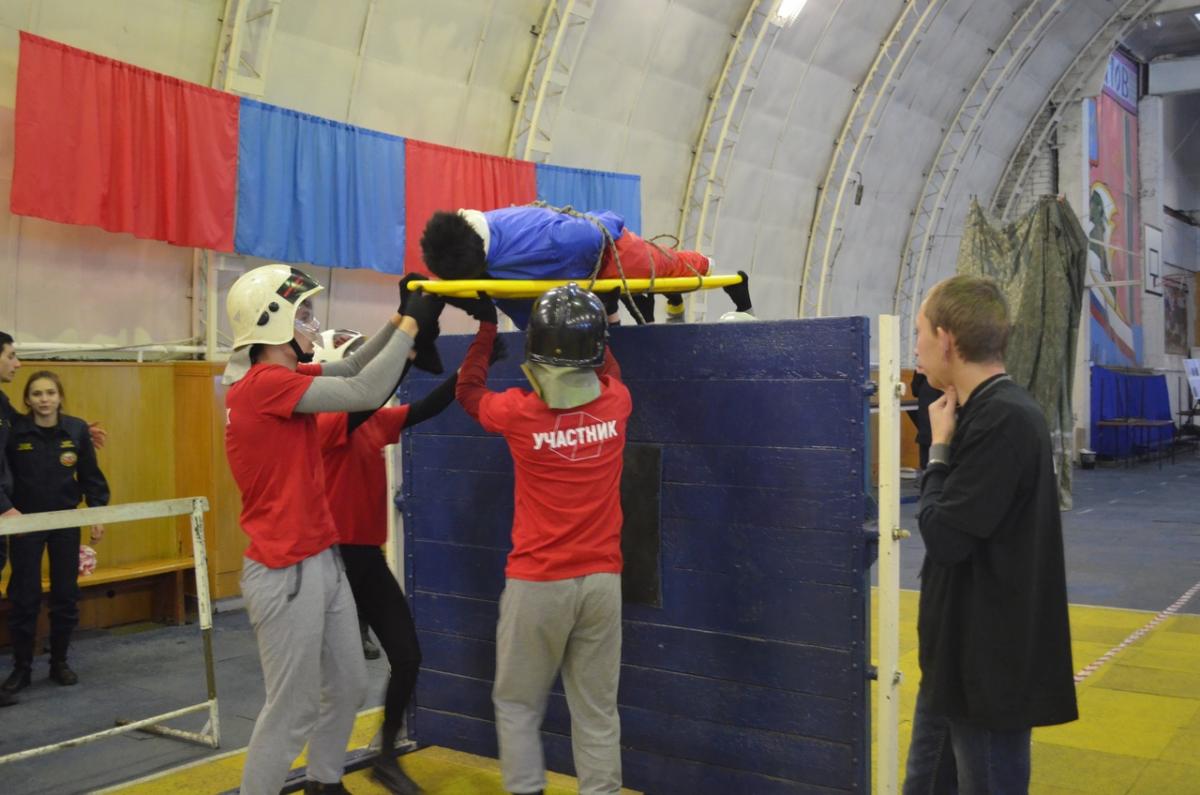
pixel 53 466
pixel 9 364
pixel 925 393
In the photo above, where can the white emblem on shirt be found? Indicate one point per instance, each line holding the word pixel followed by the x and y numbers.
pixel 576 436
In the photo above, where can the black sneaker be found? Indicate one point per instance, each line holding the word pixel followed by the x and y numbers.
pixel 7 699
pixel 62 673
pixel 17 680
pixel 317 788
pixel 387 771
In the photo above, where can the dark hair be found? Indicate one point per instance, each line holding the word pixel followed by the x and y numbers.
pixel 49 376
pixel 255 351
pixel 5 339
pixel 973 309
pixel 452 249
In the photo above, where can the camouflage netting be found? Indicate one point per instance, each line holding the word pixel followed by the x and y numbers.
pixel 1040 260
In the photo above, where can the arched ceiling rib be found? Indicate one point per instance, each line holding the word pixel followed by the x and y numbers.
pixel 855 138
pixel 960 135
pixel 720 132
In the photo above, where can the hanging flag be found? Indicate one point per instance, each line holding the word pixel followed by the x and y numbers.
pixel 103 143
pixel 443 178
pixel 314 190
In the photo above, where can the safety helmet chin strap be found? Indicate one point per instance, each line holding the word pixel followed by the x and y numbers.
pixel 304 358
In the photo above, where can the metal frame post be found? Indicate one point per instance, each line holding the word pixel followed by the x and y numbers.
pixel 560 39
pixel 887 718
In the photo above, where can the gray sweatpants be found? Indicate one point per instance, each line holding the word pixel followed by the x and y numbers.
pixel 574 625
pixel 308 640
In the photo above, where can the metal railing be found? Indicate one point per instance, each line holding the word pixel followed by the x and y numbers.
pixel 114 514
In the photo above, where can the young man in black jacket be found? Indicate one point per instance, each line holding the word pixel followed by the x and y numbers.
pixel 995 642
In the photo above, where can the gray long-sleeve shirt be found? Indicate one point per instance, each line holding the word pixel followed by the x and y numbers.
pixel 362 381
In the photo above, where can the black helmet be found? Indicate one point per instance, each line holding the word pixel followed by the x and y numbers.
pixel 567 328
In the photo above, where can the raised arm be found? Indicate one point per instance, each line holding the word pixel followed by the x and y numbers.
pixel 610 366
pixel 376 381
pixel 354 363
pixel 472 376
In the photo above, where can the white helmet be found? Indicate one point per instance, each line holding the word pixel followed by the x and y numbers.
pixel 262 304
pixel 337 344
pixel 736 317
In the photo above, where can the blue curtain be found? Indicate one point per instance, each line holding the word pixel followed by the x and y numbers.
pixel 1117 395
pixel 592 190
pixel 314 190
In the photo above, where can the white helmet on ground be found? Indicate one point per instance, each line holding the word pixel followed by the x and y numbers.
pixel 736 317
pixel 263 305
pixel 337 344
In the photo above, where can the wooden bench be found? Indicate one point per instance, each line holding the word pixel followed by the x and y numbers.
pixel 120 594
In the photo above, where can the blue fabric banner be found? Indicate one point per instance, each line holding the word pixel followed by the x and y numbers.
pixel 314 190
pixel 587 190
pixel 1122 396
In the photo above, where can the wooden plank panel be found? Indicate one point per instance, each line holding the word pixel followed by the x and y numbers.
pixel 829 348
pixel 658 773
pixel 756 658
pixel 795 508
pixel 457 637
pixel 201 427
pixel 804 555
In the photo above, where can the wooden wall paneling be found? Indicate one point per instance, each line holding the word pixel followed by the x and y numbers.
pixel 204 471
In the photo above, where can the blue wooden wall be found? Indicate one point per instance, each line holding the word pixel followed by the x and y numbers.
pixel 751 676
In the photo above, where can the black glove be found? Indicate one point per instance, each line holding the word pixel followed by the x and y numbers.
pixel 481 308
pixel 611 301
pixel 499 351
pixel 406 290
pixel 427 357
pixel 740 294
pixel 423 307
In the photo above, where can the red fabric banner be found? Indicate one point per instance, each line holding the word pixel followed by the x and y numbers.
pixel 444 178
pixel 104 143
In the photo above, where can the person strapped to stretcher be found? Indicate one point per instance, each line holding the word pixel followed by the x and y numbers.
pixel 539 242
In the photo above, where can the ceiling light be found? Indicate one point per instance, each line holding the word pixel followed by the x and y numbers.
pixel 1197 16
pixel 786 12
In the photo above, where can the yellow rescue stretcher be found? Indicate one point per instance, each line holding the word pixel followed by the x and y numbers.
pixel 532 288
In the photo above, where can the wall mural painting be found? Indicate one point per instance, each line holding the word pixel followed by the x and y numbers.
pixel 1113 223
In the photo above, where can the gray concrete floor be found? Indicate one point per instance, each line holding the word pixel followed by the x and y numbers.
pixel 1132 538
pixel 136 672
pixel 1133 541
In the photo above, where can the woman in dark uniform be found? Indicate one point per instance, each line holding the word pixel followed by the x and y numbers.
pixel 54 467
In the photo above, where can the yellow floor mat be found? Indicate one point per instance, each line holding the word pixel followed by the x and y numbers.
pixel 1139 726
pixel 1138 732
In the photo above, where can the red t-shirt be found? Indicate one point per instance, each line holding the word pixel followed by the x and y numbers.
pixel 355 472
pixel 276 460
pixel 567 497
